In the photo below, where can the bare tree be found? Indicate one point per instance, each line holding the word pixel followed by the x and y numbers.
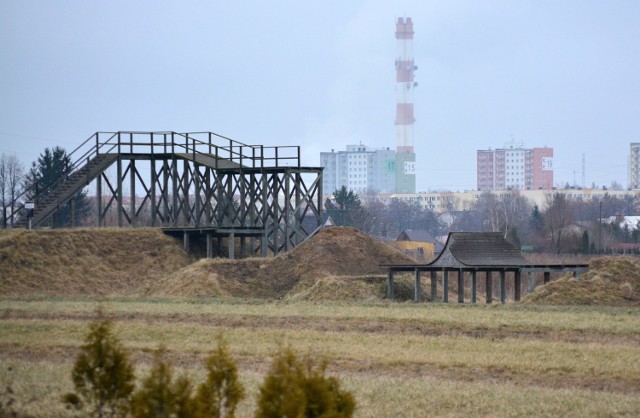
pixel 11 174
pixel 558 216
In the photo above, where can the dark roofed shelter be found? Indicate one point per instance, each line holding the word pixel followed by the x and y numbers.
pixel 475 252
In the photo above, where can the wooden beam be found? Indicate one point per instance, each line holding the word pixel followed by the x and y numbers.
pixel 517 285
pixel 416 289
pixel 474 286
pixel 489 286
pixel 434 286
pixel 460 286
pixel 503 290
pixel 445 286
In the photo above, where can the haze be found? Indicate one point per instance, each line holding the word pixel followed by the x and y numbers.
pixel 321 75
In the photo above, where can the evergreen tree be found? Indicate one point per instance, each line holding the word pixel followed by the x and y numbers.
pixel 346 208
pixel 294 389
pixel 102 375
pixel 162 396
pixel 219 395
pixel 45 175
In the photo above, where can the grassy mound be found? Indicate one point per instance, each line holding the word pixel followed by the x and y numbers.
pixel 87 262
pixel 611 281
pixel 320 268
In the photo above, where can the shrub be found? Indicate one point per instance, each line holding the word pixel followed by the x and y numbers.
pixel 102 375
pixel 219 395
pixel 295 389
pixel 162 396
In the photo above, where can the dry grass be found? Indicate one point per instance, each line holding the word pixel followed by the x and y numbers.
pixel 86 261
pixel 611 281
pixel 397 358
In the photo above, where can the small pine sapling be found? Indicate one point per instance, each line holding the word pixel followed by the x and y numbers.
pixel 218 396
pixel 295 389
pixel 162 396
pixel 102 374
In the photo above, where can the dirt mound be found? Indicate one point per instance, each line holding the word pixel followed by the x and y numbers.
pixel 613 281
pixel 86 262
pixel 328 257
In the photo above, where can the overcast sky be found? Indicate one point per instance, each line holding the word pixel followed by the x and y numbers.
pixel 320 74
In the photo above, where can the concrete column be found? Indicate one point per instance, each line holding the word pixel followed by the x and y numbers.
pixel 503 288
pixel 416 289
pixel 474 287
pixel 517 285
pixel 531 279
pixel 460 286
pixel 390 284
pixel 434 286
pixel 186 242
pixel 445 286
pixel 547 277
pixel 209 246
pixel 232 246
pixel 489 286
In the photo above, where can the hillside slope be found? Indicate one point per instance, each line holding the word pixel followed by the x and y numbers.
pixel 612 281
pixel 337 255
pixel 86 262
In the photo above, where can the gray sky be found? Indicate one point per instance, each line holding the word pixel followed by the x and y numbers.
pixel 320 74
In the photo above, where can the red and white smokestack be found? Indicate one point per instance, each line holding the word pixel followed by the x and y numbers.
pixel 404 86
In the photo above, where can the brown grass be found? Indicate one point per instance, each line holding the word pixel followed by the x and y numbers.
pixel 86 261
pixel 612 281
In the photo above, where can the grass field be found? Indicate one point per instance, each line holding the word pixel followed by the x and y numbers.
pixel 399 359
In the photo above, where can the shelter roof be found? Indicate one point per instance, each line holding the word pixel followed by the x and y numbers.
pixel 477 249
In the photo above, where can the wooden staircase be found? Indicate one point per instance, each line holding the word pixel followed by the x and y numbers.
pixel 66 188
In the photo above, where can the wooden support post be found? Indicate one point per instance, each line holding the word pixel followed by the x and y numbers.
pixel 445 286
pixel 531 281
pixel 263 245
pixel 243 248
pixel 503 288
pixel 434 286
pixel 209 246
pixel 416 289
pixel 119 190
pixel 390 284
pixel 232 246
pixel 474 287
pixel 460 286
pixel 517 285
pixel 547 277
pixel 489 286
pixel 132 190
pixel 99 200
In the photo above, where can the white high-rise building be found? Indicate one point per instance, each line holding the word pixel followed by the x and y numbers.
pixel 360 168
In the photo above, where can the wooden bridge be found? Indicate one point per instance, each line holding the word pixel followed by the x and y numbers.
pixel 190 183
pixel 473 253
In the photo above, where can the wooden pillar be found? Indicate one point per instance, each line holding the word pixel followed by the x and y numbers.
pixel 99 200
pixel 390 284
pixel 503 288
pixel 489 286
pixel 445 286
pixel 531 281
pixel 416 289
pixel 474 287
pixel 209 246
pixel 119 190
pixel 434 286
pixel 460 286
pixel 232 246
pixel 132 196
pixel 517 285
pixel 547 277
pixel 576 275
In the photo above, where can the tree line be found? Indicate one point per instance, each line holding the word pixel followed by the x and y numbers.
pixel 560 225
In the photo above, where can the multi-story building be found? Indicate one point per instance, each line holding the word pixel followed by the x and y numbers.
pixel 515 168
pixel 633 174
pixel 360 168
